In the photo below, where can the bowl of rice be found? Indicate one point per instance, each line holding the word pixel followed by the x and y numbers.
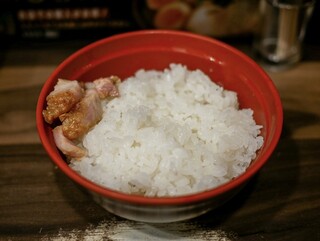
pixel 193 120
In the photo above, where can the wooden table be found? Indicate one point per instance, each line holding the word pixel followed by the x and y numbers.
pixel 37 202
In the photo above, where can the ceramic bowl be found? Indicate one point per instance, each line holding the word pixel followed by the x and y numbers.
pixel 123 55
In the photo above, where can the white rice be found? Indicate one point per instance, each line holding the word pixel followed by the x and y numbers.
pixel 171 132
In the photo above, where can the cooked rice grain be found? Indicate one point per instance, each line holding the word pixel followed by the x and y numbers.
pixel 171 132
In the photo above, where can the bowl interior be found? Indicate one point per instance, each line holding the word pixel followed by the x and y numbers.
pixel 124 54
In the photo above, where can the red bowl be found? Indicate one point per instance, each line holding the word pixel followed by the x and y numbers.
pixel 123 55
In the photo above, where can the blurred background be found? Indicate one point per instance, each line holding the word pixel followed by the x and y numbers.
pixel 39 21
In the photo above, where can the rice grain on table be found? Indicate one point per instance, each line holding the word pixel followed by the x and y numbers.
pixel 171 132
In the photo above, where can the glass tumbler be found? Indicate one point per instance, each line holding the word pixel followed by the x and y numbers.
pixel 278 42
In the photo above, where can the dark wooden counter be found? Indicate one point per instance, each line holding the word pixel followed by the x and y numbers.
pixel 37 202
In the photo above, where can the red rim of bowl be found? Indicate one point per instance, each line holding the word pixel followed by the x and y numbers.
pixel 142 200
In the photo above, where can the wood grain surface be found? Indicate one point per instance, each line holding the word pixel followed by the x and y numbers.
pixel 37 202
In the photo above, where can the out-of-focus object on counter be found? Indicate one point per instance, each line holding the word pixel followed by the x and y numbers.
pixel 216 18
pixel 95 19
pixel 61 19
pixel 278 43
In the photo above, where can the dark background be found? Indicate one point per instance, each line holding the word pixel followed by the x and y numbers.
pixel 122 17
